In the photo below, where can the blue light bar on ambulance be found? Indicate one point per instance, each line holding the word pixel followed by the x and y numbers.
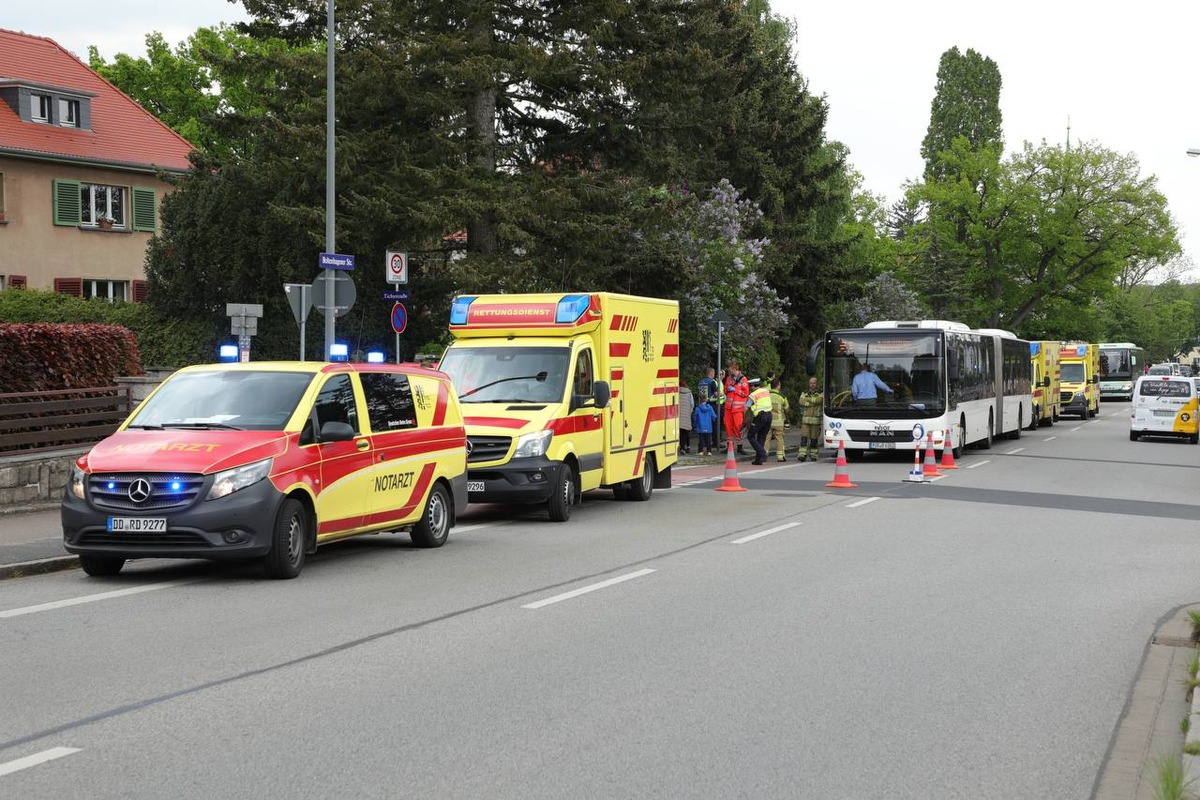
pixel 1034 348
pixel 339 352
pixel 375 357
pixel 459 309
pixel 571 308
pixel 228 352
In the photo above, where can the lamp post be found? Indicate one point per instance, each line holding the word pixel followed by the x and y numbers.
pixel 329 177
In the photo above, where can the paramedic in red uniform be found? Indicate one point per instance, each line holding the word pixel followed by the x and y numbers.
pixel 737 389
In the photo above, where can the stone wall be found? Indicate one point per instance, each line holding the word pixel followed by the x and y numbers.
pixel 35 479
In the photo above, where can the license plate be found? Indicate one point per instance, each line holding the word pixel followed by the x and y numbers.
pixel 881 445
pixel 1164 413
pixel 474 487
pixel 137 524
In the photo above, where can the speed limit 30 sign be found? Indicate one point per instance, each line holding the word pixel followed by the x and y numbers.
pixel 397 267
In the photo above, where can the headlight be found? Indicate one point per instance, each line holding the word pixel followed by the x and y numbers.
pixel 530 445
pixel 78 477
pixel 232 480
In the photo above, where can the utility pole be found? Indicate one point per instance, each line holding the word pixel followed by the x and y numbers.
pixel 329 177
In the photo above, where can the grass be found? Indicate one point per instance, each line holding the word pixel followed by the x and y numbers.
pixel 1194 616
pixel 1170 783
pixel 1193 664
pixel 1185 725
pixel 1192 748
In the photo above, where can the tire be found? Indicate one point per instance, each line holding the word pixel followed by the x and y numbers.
pixel 957 449
pixel 1036 421
pixel 434 526
pixel 101 566
pixel 1133 436
pixel 288 541
pixel 1020 425
pixel 1194 438
pixel 641 488
pixel 986 442
pixel 560 502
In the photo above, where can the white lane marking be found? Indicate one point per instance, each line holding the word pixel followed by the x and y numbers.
pixel 1051 438
pixel 1018 450
pixel 93 598
pixel 476 526
pixel 1072 430
pixel 862 502
pixel 977 464
pixel 37 758
pixel 767 532
pixel 593 587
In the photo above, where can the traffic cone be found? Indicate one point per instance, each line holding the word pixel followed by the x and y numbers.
pixel 930 470
pixel 916 475
pixel 841 478
pixel 948 451
pixel 730 484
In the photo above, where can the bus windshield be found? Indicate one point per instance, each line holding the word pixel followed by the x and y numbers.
pixel 910 364
pixel 1115 364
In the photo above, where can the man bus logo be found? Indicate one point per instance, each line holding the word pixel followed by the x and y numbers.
pixel 882 430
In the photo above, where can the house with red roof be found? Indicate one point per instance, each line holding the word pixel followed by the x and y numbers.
pixel 81 174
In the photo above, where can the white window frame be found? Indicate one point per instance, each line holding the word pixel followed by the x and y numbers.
pixel 68 112
pixel 112 291
pixel 96 201
pixel 41 106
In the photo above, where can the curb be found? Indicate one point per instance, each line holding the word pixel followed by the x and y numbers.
pixel 40 567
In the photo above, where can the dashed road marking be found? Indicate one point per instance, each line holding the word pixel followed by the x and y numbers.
pixel 558 598
pixel 1051 438
pixel 93 598
pixel 1016 450
pixel 977 464
pixel 767 532
pixel 10 767
pixel 862 502
pixel 1072 430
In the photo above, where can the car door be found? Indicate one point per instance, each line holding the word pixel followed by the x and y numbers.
pixel 403 460
pixel 344 465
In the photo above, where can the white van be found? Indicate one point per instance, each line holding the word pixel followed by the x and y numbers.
pixel 1165 405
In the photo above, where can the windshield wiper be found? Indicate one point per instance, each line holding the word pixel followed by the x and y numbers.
pixel 146 427
pixel 540 377
pixel 202 425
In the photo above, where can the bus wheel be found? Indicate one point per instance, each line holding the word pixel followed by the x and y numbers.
pixel 1016 434
pixel 986 442
pixel 960 438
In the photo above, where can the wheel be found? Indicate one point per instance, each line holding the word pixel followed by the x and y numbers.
pixel 1036 419
pixel 641 488
pixel 959 439
pixel 99 566
pixel 563 498
pixel 434 525
pixel 986 443
pixel 1020 425
pixel 1094 411
pixel 1194 438
pixel 1133 436
pixel 286 557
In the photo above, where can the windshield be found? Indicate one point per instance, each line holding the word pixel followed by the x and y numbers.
pixel 1072 372
pixel 1114 365
pixel 508 374
pixel 262 401
pixel 1165 389
pixel 910 364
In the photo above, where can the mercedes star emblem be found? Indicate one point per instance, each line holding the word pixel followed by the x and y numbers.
pixel 139 490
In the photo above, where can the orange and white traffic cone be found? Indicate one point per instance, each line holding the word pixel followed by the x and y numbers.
pixel 930 470
pixel 916 475
pixel 730 484
pixel 948 451
pixel 841 478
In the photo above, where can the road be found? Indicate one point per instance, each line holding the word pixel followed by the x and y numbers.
pixel 970 637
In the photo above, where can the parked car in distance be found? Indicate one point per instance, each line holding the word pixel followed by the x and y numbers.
pixel 1165 405
pixel 268 461
pixel 1164 369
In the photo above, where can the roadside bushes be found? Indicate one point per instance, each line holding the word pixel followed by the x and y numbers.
pixel 39 356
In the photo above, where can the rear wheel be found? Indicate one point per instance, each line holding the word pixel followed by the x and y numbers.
pixel 563 498
pixel 286 557
pixel 100 566
pixel 1194 438
pixel 641 488
pixel 434 526
pixel 1133 436
pixel 986 443
pixel 960 437
pixel 1020 425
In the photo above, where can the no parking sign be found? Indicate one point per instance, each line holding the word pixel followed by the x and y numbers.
pixel 399 318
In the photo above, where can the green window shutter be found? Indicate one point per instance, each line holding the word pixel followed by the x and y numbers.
pixel 67 203
pixel 143 209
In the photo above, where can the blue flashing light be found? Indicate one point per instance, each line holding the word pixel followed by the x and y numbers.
pixel 176 486
pixel 111 485
pixel 339 352
pixel 375 357
pixel 229 352
pixel 459 309
pixel 571 308
pixel 1081 350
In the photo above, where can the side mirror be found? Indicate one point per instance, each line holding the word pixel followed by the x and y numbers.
pixel 1046 381
pixel 814 353
pixel 601 394
pixel 336 432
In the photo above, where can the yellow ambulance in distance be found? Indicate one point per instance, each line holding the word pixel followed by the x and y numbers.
pixel 267 461
pixel 1047 383
pixel 565 393
pixel 1079 369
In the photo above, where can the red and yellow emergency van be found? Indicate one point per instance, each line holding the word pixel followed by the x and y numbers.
pixel 1047 383
pixel 565 393
pixel 1079 369
pixel 269 460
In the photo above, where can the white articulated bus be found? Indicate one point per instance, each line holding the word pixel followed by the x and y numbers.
pixel 945 379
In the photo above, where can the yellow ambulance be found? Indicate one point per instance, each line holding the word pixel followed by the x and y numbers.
pixel 1047 383
pixel 565 393
pixel 268 460
pixel 1079 369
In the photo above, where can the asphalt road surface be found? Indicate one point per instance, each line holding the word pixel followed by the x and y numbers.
pixel 972 637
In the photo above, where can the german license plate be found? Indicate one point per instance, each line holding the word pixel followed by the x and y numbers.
pixel 137 524
pixel 474 487
pixel 881 445
pixel 1168 413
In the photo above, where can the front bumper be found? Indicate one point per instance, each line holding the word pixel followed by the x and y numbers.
pixel 522 480
pixel 198 531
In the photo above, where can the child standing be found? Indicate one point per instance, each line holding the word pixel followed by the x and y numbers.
pixel 704 420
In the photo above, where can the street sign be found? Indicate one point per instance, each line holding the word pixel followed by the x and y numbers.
pixel 718 317
pixel 397 267
pixel 299 297
pixel 344 293
pixel 243 310
pixel 399 318
pixel 399 297
pixel 335 261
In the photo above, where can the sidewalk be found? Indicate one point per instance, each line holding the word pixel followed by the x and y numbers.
pixel 31 541
pixel 791 437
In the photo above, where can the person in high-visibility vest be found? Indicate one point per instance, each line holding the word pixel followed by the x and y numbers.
pixel 810 422
pixel 760 399
pixel 779 412
pixel 737 389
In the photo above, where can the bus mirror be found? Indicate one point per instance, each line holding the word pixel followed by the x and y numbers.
pixel 814 353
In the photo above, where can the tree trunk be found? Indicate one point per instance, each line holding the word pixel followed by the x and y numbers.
pixel 481 131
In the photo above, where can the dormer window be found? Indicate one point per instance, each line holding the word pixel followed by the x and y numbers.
pixel 68 113
pixel 39 107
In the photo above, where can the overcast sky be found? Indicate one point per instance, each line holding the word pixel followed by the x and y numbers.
pixel 1128 80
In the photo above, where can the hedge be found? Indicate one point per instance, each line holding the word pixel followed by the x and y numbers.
pixel 41 356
